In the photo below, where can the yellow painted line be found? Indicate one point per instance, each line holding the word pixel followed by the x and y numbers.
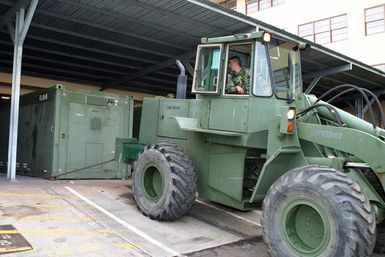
pixel 47 217
pixel 46 205
pixel 36 195
pixel 71 231
pixel 125 246
pixel 18 249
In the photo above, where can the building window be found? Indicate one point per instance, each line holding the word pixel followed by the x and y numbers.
pixel 253 6
pixel 325 31
pixel 374 20
pixel 231 4
pixel 381 67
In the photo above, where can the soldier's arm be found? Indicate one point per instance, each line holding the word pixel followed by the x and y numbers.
pixel 246 85
pixel 230 85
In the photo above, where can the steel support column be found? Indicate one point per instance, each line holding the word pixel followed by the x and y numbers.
pixel 359 103
pixel 20 31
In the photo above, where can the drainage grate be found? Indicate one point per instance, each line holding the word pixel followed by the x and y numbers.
pixel 12 241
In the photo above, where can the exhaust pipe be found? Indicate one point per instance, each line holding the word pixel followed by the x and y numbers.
pixel 182 81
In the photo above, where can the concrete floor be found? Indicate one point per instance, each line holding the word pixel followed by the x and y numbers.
pixel 99 218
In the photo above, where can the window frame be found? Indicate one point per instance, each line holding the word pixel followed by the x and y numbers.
pixel 272 76
pixel 227 67
pixel 225 3
pixel 199 48
pixel 272 85
pixel 330 30
pixel 259 6
pixel 366 22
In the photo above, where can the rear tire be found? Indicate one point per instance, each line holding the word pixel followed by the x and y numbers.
pixel 317 211
pixel 380 244
pixel 164 181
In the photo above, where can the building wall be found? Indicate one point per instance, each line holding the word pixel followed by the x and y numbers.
pixel 288 14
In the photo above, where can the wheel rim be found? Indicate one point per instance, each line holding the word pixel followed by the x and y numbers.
pixel 152 183
pixel 306 227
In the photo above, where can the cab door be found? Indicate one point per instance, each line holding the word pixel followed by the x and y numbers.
pixel 208 66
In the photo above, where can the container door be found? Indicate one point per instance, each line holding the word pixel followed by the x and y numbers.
pixel 91 139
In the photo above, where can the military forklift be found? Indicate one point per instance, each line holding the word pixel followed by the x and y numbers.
pixel 316 171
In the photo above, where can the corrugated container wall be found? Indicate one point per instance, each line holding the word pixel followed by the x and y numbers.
pixel 69 134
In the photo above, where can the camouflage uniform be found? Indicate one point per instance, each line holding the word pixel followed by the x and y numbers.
pixel 242 79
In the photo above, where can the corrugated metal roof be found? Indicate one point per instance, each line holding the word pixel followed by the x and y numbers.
pixel 101 42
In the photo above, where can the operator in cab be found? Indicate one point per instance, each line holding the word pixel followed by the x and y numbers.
pixel 238 79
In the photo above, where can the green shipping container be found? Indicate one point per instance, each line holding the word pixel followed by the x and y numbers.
pixel 69 134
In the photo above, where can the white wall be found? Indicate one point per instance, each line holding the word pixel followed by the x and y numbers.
pixel 368 49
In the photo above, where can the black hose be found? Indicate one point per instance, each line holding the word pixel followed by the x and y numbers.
pixel 359 90
pixel 381 110
pixel 382 116
pixel 341 93
pixel 331 109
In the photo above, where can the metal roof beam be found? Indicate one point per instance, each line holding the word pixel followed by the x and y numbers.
pixel 12 11
pixel 328 71
pixel 312 85
pixel 11 30
pixel 110 29
pixel 149 70
pixel 188 66
pixel 222 10
pixel 127 18
pixel 53 61
pixel 77 73
pixel 177 16
pixel 365 80
pixel 79 66
pixel 365 109
pixel 58 77
pixel 99 39
pixel 85 58
pixel 355 96
pixel 90 49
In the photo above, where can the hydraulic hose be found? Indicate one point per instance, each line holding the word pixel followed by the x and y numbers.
pixel 381 110
pixel 359 90
pixel 331 109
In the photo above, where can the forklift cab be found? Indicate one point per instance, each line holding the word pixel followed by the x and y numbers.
pixel 270 67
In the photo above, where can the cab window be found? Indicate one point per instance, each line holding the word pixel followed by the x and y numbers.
pixel 262 80
pixel 238 71
pixel 286 69
pixel 207 67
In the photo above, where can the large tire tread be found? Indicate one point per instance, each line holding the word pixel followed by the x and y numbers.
pixel 181 195
pixel 355 208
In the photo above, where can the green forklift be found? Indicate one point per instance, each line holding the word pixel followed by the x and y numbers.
pixel 316 172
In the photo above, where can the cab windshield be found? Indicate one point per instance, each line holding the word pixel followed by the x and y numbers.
pixel 286 68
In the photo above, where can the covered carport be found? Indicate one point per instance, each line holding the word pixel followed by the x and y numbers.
pixel 133 45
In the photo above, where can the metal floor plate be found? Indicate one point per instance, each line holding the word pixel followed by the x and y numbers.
pixel 12 241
